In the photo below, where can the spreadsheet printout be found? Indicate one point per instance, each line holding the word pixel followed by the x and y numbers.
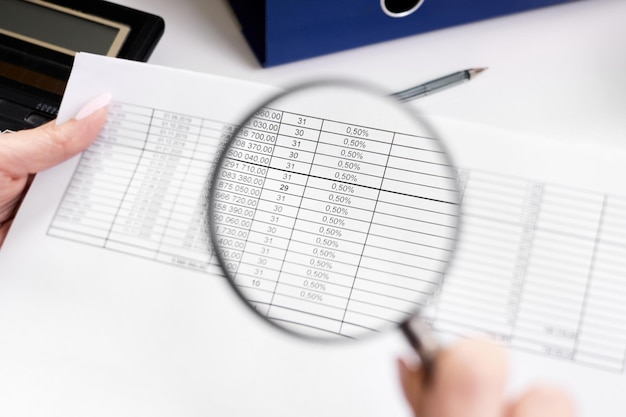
pixel 539 263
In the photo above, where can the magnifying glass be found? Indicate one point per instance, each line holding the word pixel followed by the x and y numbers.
pixel 334 211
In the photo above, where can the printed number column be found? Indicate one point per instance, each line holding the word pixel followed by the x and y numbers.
pixel 238 189
pixel 557 273
pixel 280 201
pixel 150 198
pixel 410 237
pixel 98 186
pixel 331 228
pixel 260 204
pixel 484 284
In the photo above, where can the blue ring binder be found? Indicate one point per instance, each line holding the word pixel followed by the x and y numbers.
pixel 281 31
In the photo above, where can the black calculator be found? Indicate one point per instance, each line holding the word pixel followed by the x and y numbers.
pixel 38 42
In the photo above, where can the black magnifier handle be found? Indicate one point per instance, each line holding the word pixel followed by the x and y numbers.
pixel 421 337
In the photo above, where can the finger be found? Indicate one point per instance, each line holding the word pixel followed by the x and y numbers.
pixel 543 402
pixel 469 380
pixel 411 379
pixel 33 150
pixel 12 192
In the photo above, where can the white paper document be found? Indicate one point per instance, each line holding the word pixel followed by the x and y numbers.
pixel 110 303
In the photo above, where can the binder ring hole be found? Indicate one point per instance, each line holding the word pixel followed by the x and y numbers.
pixel 400 8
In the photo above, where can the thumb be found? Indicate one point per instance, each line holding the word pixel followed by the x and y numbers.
pixel 469 381
pixel 30 151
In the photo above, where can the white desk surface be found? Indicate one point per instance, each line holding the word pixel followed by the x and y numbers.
pixel 556 72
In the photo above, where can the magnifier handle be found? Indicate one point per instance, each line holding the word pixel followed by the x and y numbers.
pixel 423 340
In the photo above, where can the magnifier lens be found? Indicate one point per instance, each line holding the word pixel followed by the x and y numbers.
pixel 334 211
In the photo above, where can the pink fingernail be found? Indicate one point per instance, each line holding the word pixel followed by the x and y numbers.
pixel 93 106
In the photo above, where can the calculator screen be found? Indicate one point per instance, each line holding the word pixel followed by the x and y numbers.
pixel 60 28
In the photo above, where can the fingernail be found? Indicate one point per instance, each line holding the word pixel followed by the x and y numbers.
pixel 93 106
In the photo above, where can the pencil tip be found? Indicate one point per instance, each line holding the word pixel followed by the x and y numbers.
pixel 475 71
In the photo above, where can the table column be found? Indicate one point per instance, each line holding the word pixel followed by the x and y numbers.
pixel 99 184
pixel 280 202
pixel 330 233
pixel 150 198
pixel 557 274
pixel 258 193
pixel 410 238
pixel 602 334
pixel 185 241
pixel 482 287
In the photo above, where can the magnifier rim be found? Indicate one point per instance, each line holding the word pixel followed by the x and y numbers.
pixel 218 165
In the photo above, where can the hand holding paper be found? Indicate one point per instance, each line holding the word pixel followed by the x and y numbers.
pixel 24 153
